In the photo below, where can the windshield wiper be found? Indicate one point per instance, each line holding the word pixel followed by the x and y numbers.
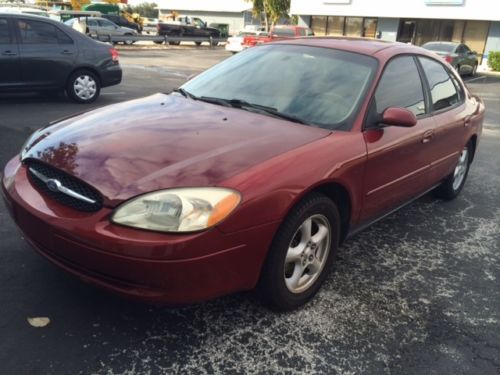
pixel 185 93
pixel 242 104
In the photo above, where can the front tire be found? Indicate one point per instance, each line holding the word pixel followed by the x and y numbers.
pixel 83 87
pixel 451 187
pixel 301 253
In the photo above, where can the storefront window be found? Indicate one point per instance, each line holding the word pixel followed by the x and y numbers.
pixel 354 26
pixel 318 25
pixel 475 35
pixel 370 27
pixel 446 31
pixel 335 25
pixel 458 31
pixel 427 31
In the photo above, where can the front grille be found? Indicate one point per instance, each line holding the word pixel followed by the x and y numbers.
pixel 35 169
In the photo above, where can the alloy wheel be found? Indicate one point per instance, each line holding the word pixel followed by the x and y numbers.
pixel 307 253
pixel 461 169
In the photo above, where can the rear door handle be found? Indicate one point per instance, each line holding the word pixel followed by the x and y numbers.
pixel 9 53
pixel 66 52
pixel 427 136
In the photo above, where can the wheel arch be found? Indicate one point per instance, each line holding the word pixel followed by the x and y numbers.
pixel 473 142
pixel 339 194
pixel 342 199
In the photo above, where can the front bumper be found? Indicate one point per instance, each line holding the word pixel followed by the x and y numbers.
pixel 156 267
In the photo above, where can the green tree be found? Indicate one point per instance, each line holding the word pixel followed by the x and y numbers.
pixel 146 9
pixel 273 10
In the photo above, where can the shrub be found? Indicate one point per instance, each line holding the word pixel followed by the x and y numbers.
pixel 494 60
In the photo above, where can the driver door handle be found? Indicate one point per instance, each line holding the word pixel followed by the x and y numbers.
pixel 8 53
pixel 67 52
pixel 426 138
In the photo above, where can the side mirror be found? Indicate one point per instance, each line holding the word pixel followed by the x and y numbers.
pixel 395 116
pixel 205 24
pixel 474 52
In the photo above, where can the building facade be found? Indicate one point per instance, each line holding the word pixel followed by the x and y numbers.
pixel 473 22
pixel 235 13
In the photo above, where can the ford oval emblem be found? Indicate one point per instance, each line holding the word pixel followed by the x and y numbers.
pixel 53 184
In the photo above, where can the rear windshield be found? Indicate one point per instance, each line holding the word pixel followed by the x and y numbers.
pixel 284 32
pixel 321 86
pixel 440 47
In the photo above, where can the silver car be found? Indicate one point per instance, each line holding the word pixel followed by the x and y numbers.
pixel 102 27
pixel 457 55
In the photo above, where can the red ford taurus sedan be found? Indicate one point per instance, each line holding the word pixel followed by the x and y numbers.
pixel 249 175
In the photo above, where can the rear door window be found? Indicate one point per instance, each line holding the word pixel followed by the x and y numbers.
pixel 106 24
pixel 444 93
pixel 4 32
pixel 36 32
pixel 400 86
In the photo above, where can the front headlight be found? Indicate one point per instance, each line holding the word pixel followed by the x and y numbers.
pixel 178 210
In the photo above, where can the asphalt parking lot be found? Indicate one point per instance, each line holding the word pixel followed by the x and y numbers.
pixel 418 292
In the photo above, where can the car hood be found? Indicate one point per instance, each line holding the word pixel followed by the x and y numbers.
pixel 163 141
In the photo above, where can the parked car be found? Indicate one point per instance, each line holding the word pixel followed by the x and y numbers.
pixel 39 54
pixel 278 32
pixel 190 27
pixel 236 44
pixel 103 28
pixel 122 21
pixel 150 25
pixel 249 175
pixel 457 55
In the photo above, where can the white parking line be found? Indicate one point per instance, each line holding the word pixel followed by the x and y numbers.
pixel 114 93
pixel 475 79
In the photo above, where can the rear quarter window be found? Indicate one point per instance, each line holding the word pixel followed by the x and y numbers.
pixel 443 89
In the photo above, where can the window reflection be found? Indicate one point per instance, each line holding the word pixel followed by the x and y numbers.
pixel 400 86
pixel 443 91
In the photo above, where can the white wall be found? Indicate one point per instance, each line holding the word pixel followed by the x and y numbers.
pixel 487 10
pixel 205 5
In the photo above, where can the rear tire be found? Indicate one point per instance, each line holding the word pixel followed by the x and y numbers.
pixel 474 70
pixel 83 86
pixel 301 253
pixel 128 42
pixel 451 187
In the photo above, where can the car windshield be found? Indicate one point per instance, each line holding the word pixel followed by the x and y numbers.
pixel 440 47
pixel 318 86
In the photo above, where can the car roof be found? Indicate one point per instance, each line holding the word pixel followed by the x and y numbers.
pixel 359 45
pixel 24 15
